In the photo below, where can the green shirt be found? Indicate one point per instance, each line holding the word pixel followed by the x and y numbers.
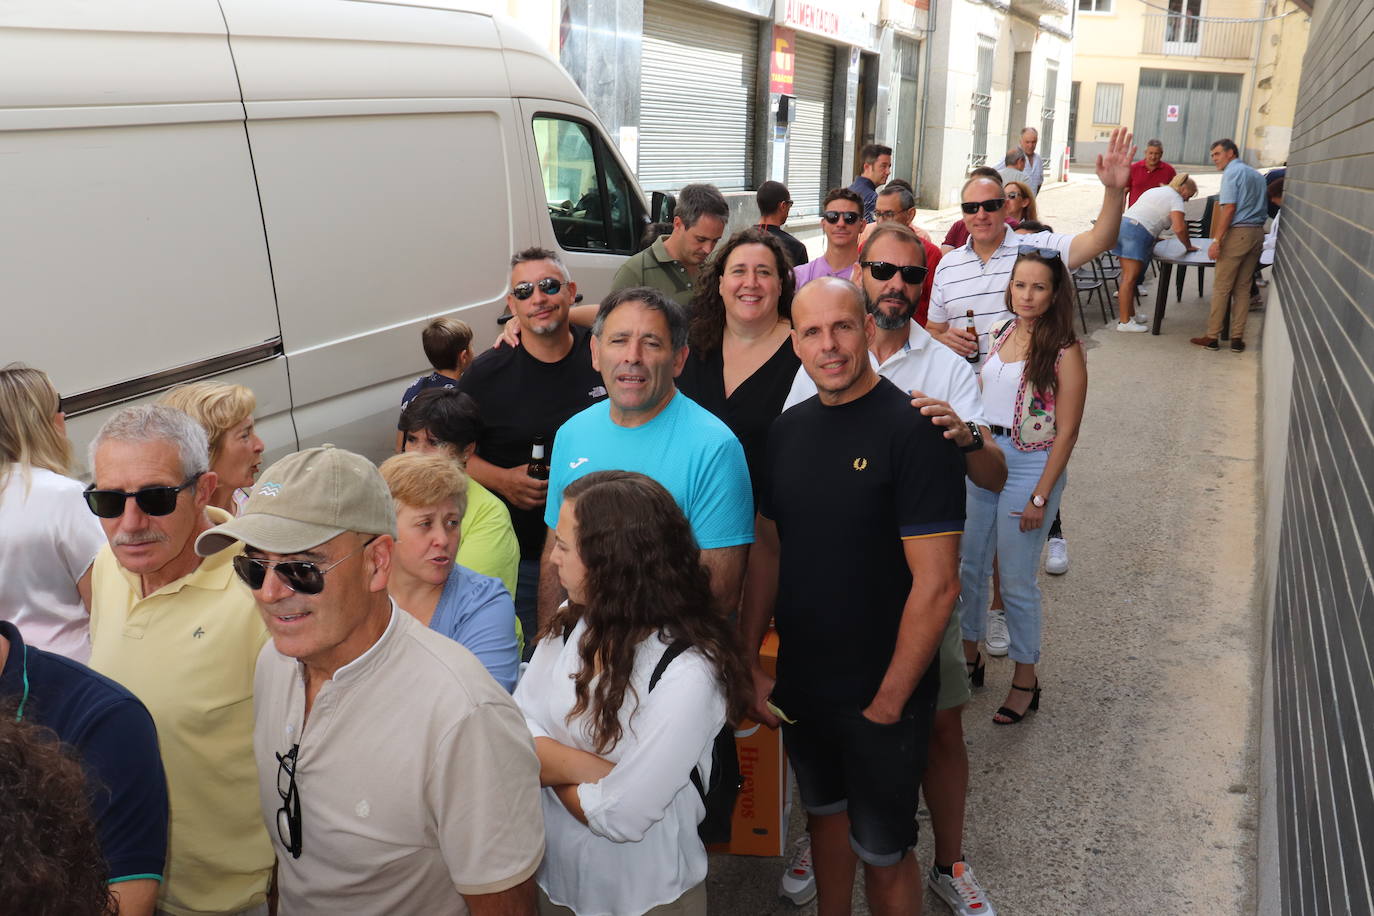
pixel 656 268
pixel 488 545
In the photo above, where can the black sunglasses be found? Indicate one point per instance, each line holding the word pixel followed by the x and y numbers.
pixel 883 271
pixel 160 500
pixel 549 286
pixel 1049 254
pixel 834 216
pixel 301 576
pixel 991 206
pixel 289 814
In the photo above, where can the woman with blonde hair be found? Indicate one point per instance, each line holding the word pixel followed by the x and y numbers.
pixel 1154 211
pixel 226 413
pixel 431 496
pixel 48 538
pixel 1020 201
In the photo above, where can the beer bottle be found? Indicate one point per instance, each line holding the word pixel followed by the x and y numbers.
pixel 539 463
pixel 972 329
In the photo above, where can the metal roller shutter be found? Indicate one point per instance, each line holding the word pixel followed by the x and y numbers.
pixel 808 139
pixel 699 80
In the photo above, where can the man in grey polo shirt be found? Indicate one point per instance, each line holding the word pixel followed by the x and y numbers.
pixel 1238 239
pixel 395 775
pixel 671 264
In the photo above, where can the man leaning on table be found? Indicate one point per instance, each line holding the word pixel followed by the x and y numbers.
pixel 1238 236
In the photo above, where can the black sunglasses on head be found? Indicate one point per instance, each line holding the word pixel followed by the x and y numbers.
pixel 289 814
pixel 1049 254
pixel 834 216
pixel 157 500
pixel 301 576
pixel 549 286
pixel 991 206
pixel 883 271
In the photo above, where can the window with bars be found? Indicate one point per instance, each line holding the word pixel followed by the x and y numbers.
pixel 1107 103
pixel 1095 6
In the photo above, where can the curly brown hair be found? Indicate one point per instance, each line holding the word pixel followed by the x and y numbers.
pixel 53 865
pixel 708 308
pixel 1054 329
pixel 643 577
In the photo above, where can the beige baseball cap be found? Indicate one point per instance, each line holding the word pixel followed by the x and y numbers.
pixel 306 499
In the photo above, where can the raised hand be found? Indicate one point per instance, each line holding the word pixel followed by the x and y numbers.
pixel 1114 166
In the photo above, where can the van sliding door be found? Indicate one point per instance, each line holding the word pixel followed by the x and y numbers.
pixel 131 245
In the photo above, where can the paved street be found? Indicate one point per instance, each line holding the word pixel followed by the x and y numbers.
pixel 1134 789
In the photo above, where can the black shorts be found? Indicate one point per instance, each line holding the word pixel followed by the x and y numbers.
pixel 845 762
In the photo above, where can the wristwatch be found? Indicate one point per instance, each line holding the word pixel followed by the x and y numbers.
pixel 977 435
pixel 1037 501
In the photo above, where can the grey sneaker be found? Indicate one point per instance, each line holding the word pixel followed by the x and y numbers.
pixel 799 880
pixel 960 890
pixel 997 640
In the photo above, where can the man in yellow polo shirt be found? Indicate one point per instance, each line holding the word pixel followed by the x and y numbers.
pixel 183 634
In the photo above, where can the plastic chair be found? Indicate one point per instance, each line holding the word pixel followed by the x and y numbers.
pixel 1197 229
pixel 1085 280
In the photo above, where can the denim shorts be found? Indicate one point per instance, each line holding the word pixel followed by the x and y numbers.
pixel 1134 242
pixel 845 762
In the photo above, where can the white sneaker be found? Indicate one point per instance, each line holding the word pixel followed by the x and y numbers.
pixel 997 640
pixel 1130 327
pixel 1057 560
pixel 799 880
pixel 960 891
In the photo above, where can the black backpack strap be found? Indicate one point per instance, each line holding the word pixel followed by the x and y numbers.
pixel 676 648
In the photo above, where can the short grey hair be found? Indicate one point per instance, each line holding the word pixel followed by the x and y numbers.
pixel 697 200
pixel 1156 144
pixel 540 254
pixel 906 199
pixel 1016 157
pixel 651 299
pixel 157 423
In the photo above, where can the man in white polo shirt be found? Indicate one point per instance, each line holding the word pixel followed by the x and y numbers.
pixel 891 274
pixel 974 277
pixel 395 775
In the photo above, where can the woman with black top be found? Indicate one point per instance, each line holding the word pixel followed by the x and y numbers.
pixel 741 364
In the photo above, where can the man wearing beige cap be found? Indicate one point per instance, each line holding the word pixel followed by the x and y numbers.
pixel 395 775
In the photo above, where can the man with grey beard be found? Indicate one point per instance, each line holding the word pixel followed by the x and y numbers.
pixel 183 635
pixel 890 273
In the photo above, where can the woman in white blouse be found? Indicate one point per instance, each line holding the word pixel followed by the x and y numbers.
pixel 620 810
pixel 1154 211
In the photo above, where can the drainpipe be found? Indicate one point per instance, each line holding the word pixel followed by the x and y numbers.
pixel 1254 71
pixel 925 92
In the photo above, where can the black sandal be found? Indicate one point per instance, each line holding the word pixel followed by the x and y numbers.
pixel 1012 715
pixel 977 670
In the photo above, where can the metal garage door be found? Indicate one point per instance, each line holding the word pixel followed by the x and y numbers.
pixel 1208 104
pixel 808 139
pixel 699 79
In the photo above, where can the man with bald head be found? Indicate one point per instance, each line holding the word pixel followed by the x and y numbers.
pixel 858 481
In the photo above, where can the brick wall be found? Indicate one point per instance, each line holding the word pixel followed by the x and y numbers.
pixel 1320 475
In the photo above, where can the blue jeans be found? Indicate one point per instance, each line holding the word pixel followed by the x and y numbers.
pixel 527 602
pixel 991 532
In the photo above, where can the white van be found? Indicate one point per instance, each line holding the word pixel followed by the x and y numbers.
pixel 282 193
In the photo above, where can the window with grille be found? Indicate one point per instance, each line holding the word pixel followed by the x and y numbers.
pixel 1107 103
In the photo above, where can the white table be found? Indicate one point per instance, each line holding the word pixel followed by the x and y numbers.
pixel 1168 253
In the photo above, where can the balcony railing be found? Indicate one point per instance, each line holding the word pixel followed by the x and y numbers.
pixel 1190 36
pixel 1043 7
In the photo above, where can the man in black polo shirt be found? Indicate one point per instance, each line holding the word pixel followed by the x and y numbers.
pixel 115 740
pixel 775 203
pixel 527 391
pixel 857 558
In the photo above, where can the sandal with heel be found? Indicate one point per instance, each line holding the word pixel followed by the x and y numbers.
pixel 1011 715
pixel 977 670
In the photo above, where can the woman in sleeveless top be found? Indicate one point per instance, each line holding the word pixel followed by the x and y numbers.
pixel 1035 382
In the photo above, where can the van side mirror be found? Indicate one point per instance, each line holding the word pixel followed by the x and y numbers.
pixel 661 207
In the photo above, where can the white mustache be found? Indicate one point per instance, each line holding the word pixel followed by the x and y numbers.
pixel 139 537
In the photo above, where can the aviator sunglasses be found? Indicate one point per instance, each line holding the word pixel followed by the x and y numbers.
pixel 549 286
pixel 301 576
pixel 157 500
pixel 991 206
pixel 834 216
pixel 883 271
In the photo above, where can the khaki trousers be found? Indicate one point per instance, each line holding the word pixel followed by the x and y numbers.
pixel 1236 263
pixel 691 903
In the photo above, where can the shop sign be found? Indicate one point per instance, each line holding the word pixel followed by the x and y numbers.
pixel 782 63
pixel 832 18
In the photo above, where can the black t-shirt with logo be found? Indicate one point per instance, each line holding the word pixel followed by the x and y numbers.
pixel 846 485
pixel 522 397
